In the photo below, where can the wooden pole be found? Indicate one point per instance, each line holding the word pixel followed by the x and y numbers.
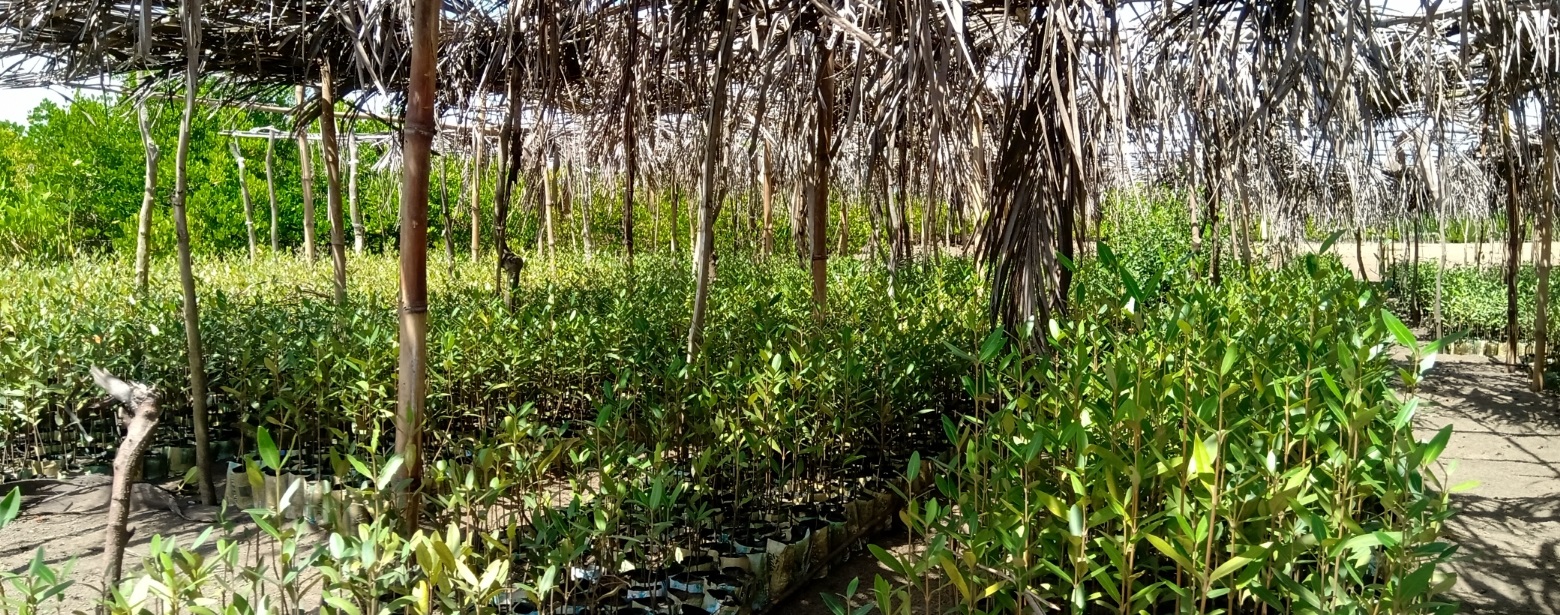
pixel 243 192
pixel 630 140
pixel 818 214
pixel 138 419
pixel 143 235
pixel 411 390
pixel 352 193
pixel 270 189
pixel 477 145
pixel 1541 260
pixel 705 243
pixel 306 172
pixel 767 243
pixel 197 363
pixel 332 151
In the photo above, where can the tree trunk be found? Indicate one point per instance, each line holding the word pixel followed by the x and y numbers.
pixel 192 23
pixel 306 172
pixel 243 193
pixel 413 369
pixel 705 244
pixel 819 212
pixel 332 151
pixel 270 190
pixel 767 243
pixel 352 193
pixel 138 422
pixel 143 235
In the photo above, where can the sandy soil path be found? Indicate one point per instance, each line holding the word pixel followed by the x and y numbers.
pixel 1508 527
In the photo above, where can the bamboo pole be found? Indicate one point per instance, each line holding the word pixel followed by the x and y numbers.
pixel 411 390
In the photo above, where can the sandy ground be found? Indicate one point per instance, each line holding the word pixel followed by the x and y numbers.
pixel 1508 529
pixel 1456 254
pixel 1508 526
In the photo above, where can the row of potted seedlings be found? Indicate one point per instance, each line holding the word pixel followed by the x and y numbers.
pixel 737 563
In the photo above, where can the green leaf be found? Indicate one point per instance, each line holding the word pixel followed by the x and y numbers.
pixel 1231 353
pixel 1433 449
pixel 952 570
pixel 344 605
pixel 269 455
pixel 992 345
pixel 1327 244
pixel 10 506
pixel 1251 554
pixel 1171 552
pixel 889 560
pixel 387 473
pixel 1400 331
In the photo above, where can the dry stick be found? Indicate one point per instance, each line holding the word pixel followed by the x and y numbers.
pixel 139 419
pixel 243 191
pixel 331 149
pixel 143 236
pixel 306 172
pixel 197 362
pixel 412 369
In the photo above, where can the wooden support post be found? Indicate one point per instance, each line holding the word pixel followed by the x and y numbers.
pixel 139 418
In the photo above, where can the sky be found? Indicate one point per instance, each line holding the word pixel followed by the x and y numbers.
pixel 15 104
